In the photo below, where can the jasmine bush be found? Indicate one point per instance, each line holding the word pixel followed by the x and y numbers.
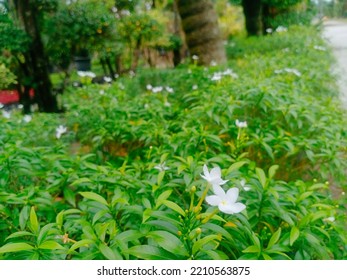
pixel 244 161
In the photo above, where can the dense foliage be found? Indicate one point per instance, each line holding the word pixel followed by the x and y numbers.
pixel 118 175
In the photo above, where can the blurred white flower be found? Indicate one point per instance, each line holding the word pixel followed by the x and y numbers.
pixel 167 104
pixel 329 219
pixel 195 57
pixel 107 79
pixel 213 63
pixel 169 89
pixel 6 114
pixel 27 118
pixel 1 105
pixel 244 186
pixel 320 48
pixel 269 30
pixel 161 167
pixel 83 74
pixel 216 76
pixel 149 87
pixel 102 92
pixel 230 72
pixel 240 124
pixel 195 87
pixel 288 70
pixel 281 29
pixel 226 202
pixel 157 89
pixel 60 130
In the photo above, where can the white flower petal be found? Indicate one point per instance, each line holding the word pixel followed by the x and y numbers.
pixel 216 172
pixel 217 189
pixel 213 200
pixel 232 195
pixel 232 208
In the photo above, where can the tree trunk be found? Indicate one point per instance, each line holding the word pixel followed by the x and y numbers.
pixel 252 10
pixel 200 24
pixel 27 14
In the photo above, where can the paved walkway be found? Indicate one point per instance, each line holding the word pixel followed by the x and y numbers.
pixel 335 32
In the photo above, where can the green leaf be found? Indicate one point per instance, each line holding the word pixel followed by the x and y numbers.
pixel 80 181
pixel 19 234
pixel 60 218
pixel 95 197
pixel 173 206
pixel 274 238
pixel 148 252
pixel 162 197
pixel 217 229
pixel 294 234
pixel 15 247
pixel 34 224
pixel 160 177
pixel 50 245
pixel 203 241
pixel 272 171
pixel 169 242
pixel 252 249
pixel 236 166
pixel 266 257
pixel 109 253
pixel 128 236
pixel 43 232
pixel 81 243
pixel 23 216
pixel 261 176
pixel 69 196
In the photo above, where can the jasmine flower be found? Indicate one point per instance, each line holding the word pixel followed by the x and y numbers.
pixel 226 202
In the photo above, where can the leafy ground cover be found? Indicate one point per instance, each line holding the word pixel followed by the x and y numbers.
pixel 122 175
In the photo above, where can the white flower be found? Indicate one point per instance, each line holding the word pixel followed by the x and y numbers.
pixel 214 177
pixel 195 57
pixel 244 186
pixel 281 29
pixel 320 48
pixel 213 63
pixel 293 71
pixel 83 74
pixel 195 87
pixel 216 76
pixel 226 202
pixel 1 105
pixel 102 92
pixel 231 73
pixel 60 131
pixel 329 219
pixel 27 118
pixel 241 124
pixel 161 167
pixel 167 104
pixel 289 70
pixel 107 79
pixel 269 30
pixel 6 114
pixel 157 89
pixel 169 89
pixel 149 87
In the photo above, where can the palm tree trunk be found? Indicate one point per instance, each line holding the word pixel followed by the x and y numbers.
pixel 37 61
pixel 200 24
pixel 252 10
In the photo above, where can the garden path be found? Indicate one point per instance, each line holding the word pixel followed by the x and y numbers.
pixel 335 32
